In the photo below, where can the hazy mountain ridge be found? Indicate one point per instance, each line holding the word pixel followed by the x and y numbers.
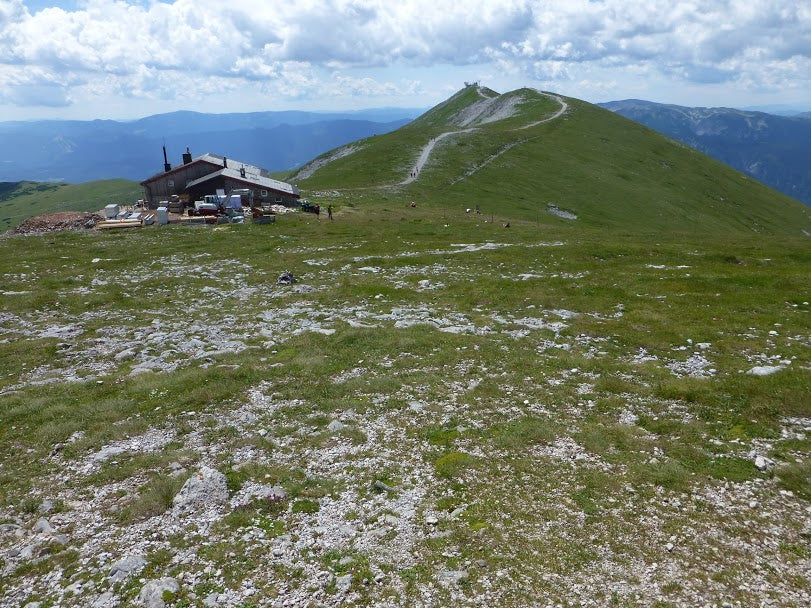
pixel 79 151
pixel 773 149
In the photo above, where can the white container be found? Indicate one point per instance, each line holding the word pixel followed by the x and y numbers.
pixel 111 211
pixel 163 215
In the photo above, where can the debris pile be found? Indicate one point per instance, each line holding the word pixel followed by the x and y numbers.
pixel 57 222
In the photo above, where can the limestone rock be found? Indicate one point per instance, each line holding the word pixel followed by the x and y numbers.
pixel 383 487
pixel 447 578
pixel 124 567
pixel 762 463
pixel 211 601
pixel 343 583
pixel 105 600
pixel 151 595
pixel 42 526
pixel 252 492
pixel 206 488
pixel 336 426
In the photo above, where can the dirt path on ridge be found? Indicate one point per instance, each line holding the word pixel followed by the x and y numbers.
pixel 563 107
pixel 425 153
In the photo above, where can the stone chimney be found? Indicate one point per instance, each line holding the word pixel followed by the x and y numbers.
pixel 186 156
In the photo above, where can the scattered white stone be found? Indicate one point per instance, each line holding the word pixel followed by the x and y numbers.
pixel 566 215
pixel 446 578
pixel 251 492
pixel 628 417
pixel 765 370
pixel 696 366
pixel 343 583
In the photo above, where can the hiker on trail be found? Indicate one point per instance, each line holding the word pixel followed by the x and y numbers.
pixel 329 211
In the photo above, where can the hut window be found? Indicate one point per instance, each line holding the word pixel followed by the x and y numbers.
pixel 263 192
pixel 171 183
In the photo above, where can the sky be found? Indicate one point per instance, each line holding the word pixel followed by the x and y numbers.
pixel 124 59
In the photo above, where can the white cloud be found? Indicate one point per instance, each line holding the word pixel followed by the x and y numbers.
pixel 318 48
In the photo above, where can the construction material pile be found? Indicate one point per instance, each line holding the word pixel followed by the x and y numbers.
pixel 57 222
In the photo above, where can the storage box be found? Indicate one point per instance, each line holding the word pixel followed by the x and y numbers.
pixel 163 215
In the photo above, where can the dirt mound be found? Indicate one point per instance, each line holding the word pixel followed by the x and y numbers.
pixel 57 222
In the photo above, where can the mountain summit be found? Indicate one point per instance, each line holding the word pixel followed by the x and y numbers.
pixel 529 154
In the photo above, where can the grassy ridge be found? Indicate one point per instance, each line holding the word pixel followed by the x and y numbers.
pixel 609 171
pixel 21 200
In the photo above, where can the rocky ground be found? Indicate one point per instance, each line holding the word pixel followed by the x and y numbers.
pixel 57 222
pixel 509 452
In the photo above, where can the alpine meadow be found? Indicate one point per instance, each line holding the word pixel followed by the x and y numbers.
pixel 537 355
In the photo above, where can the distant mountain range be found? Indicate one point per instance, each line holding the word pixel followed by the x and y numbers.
pixel 776 150
pixel 773 149
pixel 80 151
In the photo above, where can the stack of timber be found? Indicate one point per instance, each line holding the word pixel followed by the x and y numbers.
pixel 133 221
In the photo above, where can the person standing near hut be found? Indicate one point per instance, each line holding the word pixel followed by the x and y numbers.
pixel 329 211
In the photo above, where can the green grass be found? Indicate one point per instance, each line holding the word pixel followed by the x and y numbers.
pixel 607 170
pixel 154 497
pixel 528 404
pixel 21 200
pixel 453 464
pixel 496 479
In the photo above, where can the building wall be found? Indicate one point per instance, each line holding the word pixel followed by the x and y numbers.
pixel 174 182
pixel 261 196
